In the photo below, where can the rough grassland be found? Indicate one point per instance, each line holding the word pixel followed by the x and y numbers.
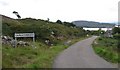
pixel 107 48
pixel 28 57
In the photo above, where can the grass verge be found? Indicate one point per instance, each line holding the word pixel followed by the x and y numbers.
pixel 107 48
pixel 28 57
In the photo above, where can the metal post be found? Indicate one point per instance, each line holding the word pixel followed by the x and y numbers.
pixel 34 40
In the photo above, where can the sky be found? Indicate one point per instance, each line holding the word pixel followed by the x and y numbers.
pixel 64 10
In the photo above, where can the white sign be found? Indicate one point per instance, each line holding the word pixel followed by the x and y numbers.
pixel 24 34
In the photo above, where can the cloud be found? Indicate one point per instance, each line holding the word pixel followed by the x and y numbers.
pixel 65 10
pixel 3 3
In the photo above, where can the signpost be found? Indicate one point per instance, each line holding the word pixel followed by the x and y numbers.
pixel 18 35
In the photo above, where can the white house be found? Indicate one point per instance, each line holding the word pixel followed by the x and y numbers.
pixel 95 29
pixel 117 25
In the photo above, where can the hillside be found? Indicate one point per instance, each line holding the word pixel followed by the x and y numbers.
pixel 42 54
pixel 43 29
pixel 93 24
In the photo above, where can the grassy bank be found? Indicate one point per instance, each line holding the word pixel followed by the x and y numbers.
pixel 28 57
pixel 0 56
pixel 0 59
pixel 107 48
pixel 61 35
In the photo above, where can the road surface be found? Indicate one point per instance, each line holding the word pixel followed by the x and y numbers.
pixel 81 55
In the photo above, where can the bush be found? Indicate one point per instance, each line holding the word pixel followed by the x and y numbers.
pixel 116 36
pixel 100 39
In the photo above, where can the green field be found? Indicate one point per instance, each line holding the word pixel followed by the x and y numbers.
pixel 107 48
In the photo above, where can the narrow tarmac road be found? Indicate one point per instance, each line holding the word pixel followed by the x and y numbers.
pixel 81 55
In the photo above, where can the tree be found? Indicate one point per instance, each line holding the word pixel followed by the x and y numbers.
pixel 16 13
pixel 116 30
pixel 59 21
pixel 69 24
pixel 48 19
pixel 116 35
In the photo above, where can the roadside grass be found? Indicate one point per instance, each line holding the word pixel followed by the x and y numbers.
pixel 29 57
pixel 0 59
pixel 107 48
pixel 0 54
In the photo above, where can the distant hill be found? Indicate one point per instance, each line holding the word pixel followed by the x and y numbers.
pixel 92 24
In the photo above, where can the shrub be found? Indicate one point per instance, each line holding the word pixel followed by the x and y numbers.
pixel 116 36
pixel 100 39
